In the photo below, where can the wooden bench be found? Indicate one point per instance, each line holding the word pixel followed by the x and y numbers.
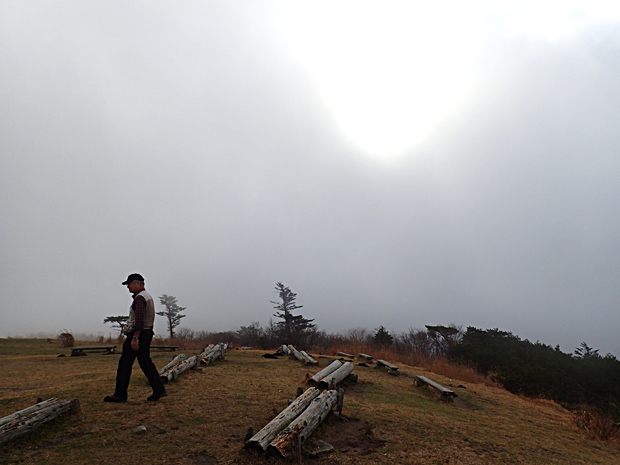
pixel 78 351
pixel 344 354
pixel 367 358
pixel 159 347
pixel 392 369
pixel 444 393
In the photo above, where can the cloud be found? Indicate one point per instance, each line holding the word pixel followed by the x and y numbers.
pixel 185 144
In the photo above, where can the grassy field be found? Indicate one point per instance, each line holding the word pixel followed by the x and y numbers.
pixel 204 419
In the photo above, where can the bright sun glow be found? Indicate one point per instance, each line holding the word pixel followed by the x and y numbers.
pixel 388 71
pixel 391 71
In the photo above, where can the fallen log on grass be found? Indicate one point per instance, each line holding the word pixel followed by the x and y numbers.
pixel 261 440
pixel 302 356
pixel 28 419
pixel 212 353
pixel 175 361
pixel 329 369
pixel 300 429
pixel 309 359
pixel 192 362
pixel 331 381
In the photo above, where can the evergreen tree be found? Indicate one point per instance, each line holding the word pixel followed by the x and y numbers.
pixel 172 313
pixel 293 328
pixel 382 337
pixel 117 321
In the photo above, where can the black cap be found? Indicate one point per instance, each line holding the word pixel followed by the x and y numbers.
pixel 133 277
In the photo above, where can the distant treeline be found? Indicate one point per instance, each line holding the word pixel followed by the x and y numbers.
pixel 583 378
pixel 580 379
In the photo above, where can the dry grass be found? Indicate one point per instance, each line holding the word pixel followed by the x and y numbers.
pixel 204 419
pixel 436 365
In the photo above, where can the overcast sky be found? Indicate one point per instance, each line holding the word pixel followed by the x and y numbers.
pixel 393 164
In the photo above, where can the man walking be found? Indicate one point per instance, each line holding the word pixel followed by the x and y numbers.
pixel 139 333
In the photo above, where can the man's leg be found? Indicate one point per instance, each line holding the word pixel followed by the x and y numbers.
pixel 147 365
pixel 123 373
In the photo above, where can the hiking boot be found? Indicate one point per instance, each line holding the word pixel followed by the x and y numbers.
pixel 114 398
pixel 156 396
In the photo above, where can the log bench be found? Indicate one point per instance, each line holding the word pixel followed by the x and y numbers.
pixel 444 393
pixel 367 358
pixel 78 351
pixel 392 369
pixel 344 354
pixel 160 347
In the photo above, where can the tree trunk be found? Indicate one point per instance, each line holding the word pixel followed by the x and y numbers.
pixel 333 366
pixel 213 353
pixel 27 411
pixel 192 362
pixel 309 359
pixel 26 420
pixel 295 353
pixel 332 380
pixel 175 361
pixel 301 429
pixel 261 440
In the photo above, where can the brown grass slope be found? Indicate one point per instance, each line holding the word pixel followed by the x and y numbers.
pixel 204 419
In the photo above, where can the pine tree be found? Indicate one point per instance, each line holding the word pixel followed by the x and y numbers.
pixel 293 328
pixel 172 313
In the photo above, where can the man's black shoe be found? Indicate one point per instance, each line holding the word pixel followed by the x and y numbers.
pixel 114 398
pixel 156 396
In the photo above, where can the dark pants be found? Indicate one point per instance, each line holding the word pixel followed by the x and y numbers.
pixel 143 354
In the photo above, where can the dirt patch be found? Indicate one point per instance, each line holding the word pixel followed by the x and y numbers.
pixel 460 403
pixel 351 436
pixel 201 458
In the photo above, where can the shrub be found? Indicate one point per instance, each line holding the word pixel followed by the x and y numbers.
pixel 66 339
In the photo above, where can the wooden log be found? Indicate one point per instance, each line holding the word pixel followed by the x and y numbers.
pixel 340 400
pixel 344 354
pixel 284 349
pixel 192 362
pixel 329 369
pixel 28 410
pixel 80 350
pixel 332 380
pixel 23 424
pixel 301 428
pixel 309 359
pixel 261 440
pixel 175 361
pixel 367 358
pixel 212 353
pixel 296 354
pixel 393 369
pixel 444 393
